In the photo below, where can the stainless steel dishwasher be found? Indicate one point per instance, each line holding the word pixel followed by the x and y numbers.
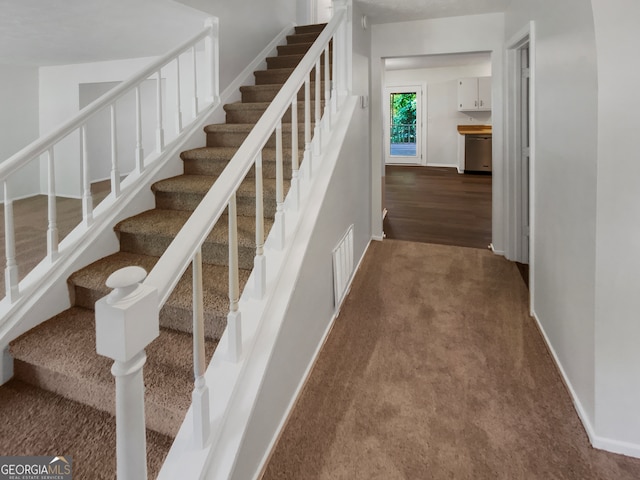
pixel 477 153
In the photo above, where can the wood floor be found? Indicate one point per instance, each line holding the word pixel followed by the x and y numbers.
pixel 437 205
pixel 31 223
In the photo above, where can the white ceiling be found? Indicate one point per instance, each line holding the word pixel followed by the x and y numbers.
pixel 386 11
pixel 58 32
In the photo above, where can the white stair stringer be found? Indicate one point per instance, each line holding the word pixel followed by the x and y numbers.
pixel 236 385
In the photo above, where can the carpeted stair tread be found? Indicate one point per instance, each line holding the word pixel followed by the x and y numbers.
pixel 151 232
pixel 244 127
pixel 307 37
pixel 200 184
pixel 185 192
pixel 169 223
pixel 266 93
pixel 280 75
pixel 213 160
pixel 312 28
pixel 284 60
pixel 89 285
pixel 233 134
pixel 71 367
pixel 43 422
pixel 294 48
pixel 240 112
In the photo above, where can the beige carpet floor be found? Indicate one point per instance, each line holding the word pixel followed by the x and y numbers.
pixel 434 370
pixel 43 423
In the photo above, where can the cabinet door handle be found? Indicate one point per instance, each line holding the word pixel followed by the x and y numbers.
pixel 476 103
pixel 481 103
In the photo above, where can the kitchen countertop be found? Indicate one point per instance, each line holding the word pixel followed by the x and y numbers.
pixel 474 129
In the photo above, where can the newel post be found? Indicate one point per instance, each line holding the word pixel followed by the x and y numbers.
pixel 212 52
pixel 343 49
pixel 126 322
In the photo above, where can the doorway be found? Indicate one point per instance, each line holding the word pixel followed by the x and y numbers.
pixel 403 119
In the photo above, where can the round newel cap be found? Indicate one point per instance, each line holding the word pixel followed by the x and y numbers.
pixel 126 277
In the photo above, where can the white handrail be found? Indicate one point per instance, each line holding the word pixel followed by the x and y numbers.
pixel 179 254
pixel 186 247
pixel 78 124
pixel 19 159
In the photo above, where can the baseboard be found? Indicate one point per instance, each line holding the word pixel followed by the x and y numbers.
pixel 493 249
pixel 602 443
pixel 307 374
pixel 443 165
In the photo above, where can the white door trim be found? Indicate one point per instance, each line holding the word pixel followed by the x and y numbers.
pixel 513 198
pixel 420 158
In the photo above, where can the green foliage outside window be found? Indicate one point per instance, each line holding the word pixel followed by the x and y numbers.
pixel 403 117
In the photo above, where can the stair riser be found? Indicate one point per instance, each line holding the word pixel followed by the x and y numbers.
pixel 252 116
pixel 235 139
pixel 302 38
pixel 189 201
pixel 171 316
pixel 294 49
pixel 213 253
pixel 101 397
pixel 272 77
pixel 290 61
pixel 310 28
pixel 253 95
pixel 215 167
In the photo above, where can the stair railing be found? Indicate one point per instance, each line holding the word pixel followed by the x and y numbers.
pixel 142 300
pixel 201 51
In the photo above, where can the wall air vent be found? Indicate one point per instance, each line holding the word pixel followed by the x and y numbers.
pixel 342 266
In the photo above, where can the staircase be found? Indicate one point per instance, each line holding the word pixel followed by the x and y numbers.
pixel 62 386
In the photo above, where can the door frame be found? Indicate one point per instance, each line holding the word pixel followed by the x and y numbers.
pixel 518 196
pixel 421 157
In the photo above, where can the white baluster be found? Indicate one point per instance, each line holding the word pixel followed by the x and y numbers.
pixel 11 269
pixel 127 320
pixel 260 261
pixel 160 129
pixel 195 81
pixel 178 103
pixel 317 140
pixel 115 173
pixel 327 88
pixel 307 129
pixel 294 189
pixel 139 148
pixel 211 45
pixel 279 224
pixel 334 83
pixel 87 198
pixel 234 326
pixel 52 229
pixel 200 395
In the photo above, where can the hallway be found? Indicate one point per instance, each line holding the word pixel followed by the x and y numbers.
pixel 437 205
pixel 435 370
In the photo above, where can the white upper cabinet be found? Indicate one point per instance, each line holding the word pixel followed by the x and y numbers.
pixel 474 93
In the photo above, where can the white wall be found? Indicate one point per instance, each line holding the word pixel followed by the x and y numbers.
pixel 311 308
pixel 440 135
pixel 564 176
pixel 346 202
pixel 246 26
pixel 99 127
pixel 477 33
pixel 19 123
pixel 60 101
pixel 617 355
